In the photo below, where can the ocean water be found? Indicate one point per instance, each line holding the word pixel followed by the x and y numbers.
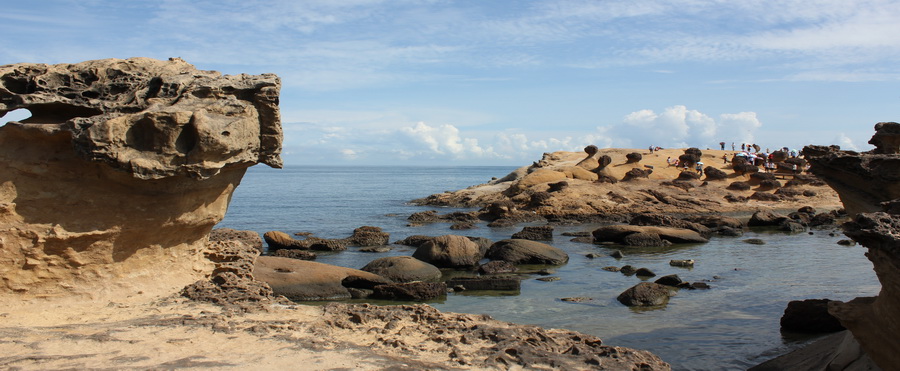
pixel 734 325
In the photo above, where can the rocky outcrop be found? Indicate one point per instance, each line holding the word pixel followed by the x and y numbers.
pixel 618 233
pixel 450 251
pixel 869 186
pixel 302 280
pixel 403 269
pixel 517 251
pixel 249 238
pixel 122 170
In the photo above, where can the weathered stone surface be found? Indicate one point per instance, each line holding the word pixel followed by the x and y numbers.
pixel 660 220
pixel 450 251
pixel 280 240
pixel 535 233
pixel 232 284
pixel 869 184
pixel 486 283
pixel 633 157
pixel 519 251
pixel 739 186
pixel 766 218
pixel 295 254
pixel 403 269
pixel 305 280
pixel 810 315
pixel 714 173
pixel 415 291
pixel 122 170
pixel 670 280
pixel 617 233
pixel 497 267
pixel 636 174
pixel 369 236
pixel 250 238
pixel 643 239
pixel 502 345
pixel 645 294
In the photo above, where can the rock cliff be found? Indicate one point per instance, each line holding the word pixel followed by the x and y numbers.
pixel 868 185
pixel 122 170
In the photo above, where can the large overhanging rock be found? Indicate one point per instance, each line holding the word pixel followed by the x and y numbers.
pixel 123 169
pixel 868 186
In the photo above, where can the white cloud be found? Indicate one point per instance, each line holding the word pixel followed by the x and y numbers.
pixel 677 126
pixel 845 142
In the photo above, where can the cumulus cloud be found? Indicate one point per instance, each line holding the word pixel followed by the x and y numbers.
pixel 845 142
pixel 443 140
pixel 678 126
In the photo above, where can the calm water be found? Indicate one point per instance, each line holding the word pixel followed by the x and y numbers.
pixel 732 326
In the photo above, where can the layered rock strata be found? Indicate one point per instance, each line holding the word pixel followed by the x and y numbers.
pixel 868 185
pixel 122 170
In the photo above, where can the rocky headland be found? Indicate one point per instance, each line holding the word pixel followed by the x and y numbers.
pixel 108 195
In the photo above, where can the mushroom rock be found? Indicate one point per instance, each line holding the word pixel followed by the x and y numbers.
pixel 869 186
pixel 122 170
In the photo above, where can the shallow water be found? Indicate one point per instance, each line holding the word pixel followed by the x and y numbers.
pixel 733 325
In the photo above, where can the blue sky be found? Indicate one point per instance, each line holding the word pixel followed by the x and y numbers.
pixel 436 82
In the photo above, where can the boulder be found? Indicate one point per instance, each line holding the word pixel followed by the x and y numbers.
pixel 688 175
pixel 497 267
pixel 809 315
pixel 661 220
pixel 557 187
pixel 279 240
pixel 636 174
pixel 403 269
pixel 670 280
pixel 369 236
pixel 716 222
pixel 295 254
pixel 757 178
pixel 765 196
pixel 766 218
pixel 519 251
pixel 414 240
pixel 633 157
pixel 739 186
pixel 643 239
pixel 769 184
pixel 486 283
pixel 644 272
pixel 617 233
pixel 123 169
pixel 645 294
pixel 414 291
pixel 450 251
pixel 249 238
pixel 714 174
pixel 302 280
pixel 535 233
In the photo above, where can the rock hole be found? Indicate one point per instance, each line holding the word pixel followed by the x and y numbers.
pixel 57 113
pixel 226 133
pixel 140 136
pixel 187 139
pixel 16 115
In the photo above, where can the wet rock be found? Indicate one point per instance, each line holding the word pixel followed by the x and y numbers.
pixel 322 244
pixel 403 269
pixel 577 299
pixel 699 286
pixel 617 234
pixel 642 239
pixel 681 263
pixel 755 241
pixel 809 315
pixel 670 280
pixel 617 254
pixel 462 226
pixel 376 249
pixel 305 280
pixel 548 279
pixel 519 251
pixel 611 269
pixel 295 254
pixel 535 233
pixel 846 243
pixel 414 241
pixel 414 291
pixel 644 272
pixel 792 227
pixel 645 294
pixel 280 240
pixel 660 220
pixel 486 283
pixel 628 270
pixel 497 267
pixel 369 236
pixel 429 216
pixel 766 218
pixel 449 251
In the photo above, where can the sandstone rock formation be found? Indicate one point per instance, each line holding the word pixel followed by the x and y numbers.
pixel 122 170
pixel 869 186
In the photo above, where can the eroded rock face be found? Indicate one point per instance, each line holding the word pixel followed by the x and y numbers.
pixel 868 186
pixel 123 169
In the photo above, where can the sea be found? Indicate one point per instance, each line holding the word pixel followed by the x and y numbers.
pixel 733 325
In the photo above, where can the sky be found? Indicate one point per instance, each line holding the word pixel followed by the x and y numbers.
pixel 435 82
